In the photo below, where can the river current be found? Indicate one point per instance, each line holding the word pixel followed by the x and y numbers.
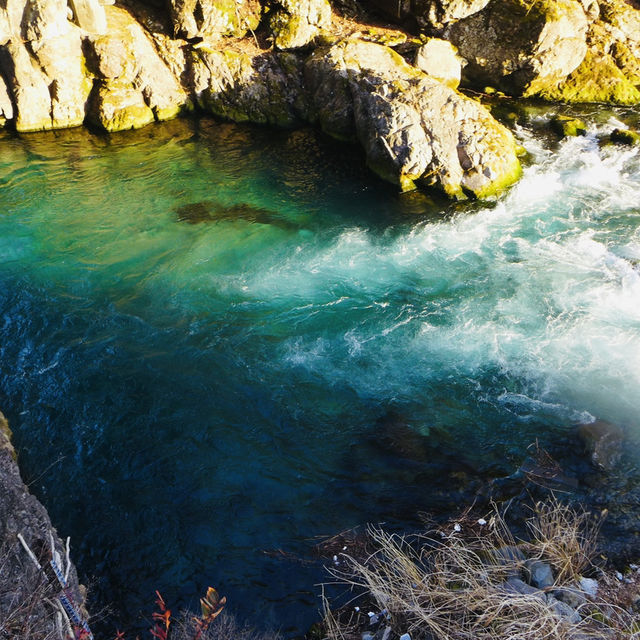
pixel 220 342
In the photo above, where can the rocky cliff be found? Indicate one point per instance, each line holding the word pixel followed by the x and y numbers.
pixel 34 604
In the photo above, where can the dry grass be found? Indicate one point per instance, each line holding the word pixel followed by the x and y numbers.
pixel 451 584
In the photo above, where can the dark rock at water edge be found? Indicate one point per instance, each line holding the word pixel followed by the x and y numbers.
pixel 23 588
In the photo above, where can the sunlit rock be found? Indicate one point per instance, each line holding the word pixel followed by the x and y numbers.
pixel 296 23
pixel 414 129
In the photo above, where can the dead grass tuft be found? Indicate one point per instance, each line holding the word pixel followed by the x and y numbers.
pixel 457 582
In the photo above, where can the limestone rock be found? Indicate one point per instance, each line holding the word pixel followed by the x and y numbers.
pixel 512 44
pixel 295 23
pixel 6 107
pixel 64 66
pixel 28 87
pixel 439 13
pixel 439 59
pixel 414 129
pixel 610 70
pixel 266 88
pixel 127 65
pixel 44 19
pixel 90 15
pixel 211 19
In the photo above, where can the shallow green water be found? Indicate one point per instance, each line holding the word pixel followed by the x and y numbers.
pixel 218 341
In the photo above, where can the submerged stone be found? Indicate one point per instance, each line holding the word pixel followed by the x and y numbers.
pixel 566 126
pixel 603 443
pixel 625 136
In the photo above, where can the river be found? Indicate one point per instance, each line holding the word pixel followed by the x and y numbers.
pixel 219 342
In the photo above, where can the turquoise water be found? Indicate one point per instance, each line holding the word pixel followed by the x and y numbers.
pixel 218 342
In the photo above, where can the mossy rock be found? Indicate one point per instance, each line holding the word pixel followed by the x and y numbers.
pixel 566 126
pixel 625 136
pixel 597 79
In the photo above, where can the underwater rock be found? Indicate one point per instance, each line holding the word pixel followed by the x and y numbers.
pixel 603 443
pixel 566 126
pixel 195 212
pixel 295 23
pixel 625 136
pixel 212 211
pixel 415 130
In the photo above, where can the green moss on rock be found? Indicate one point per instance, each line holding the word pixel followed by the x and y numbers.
pixel 625 136
pixel 597 79
pixel 566 126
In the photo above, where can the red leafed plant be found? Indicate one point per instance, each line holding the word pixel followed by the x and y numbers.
pixel 212 605
pixel 162 620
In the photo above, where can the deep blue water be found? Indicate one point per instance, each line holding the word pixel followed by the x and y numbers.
pixel 218 342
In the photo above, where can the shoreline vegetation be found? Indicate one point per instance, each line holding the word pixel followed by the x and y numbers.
pixel 531 568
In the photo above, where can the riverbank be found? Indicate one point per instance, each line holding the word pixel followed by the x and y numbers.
pixel 334 66
pixel 33 603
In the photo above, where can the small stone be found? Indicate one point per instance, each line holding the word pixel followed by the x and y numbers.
pixel 367 635
pixel 589 586
pixel 405 636
pixel 603 442
pixel 383 634
pixel 519 587
pixel 482 522
pixel 457 527
pixel 565 126
pixel 618 575
pixel 540 574
pixel 571 596
pixel 563 610
pixel 625 136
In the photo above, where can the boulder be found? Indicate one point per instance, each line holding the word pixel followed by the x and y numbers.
pixel 610 69
pixel 133 84
pixel 27 85
pixel 439 59
pixel 603 443
pixel 89 15
pixel 520 45
pixel 566 126
pixel 415 130
pixel 439 13
pixel 265 88
pixel 295 23
pixel 64 66
pixel 211 19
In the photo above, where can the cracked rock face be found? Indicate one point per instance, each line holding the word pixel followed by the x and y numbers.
pixel 512 44
pixel 414 129
pixel 23 610
pixel 295 23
